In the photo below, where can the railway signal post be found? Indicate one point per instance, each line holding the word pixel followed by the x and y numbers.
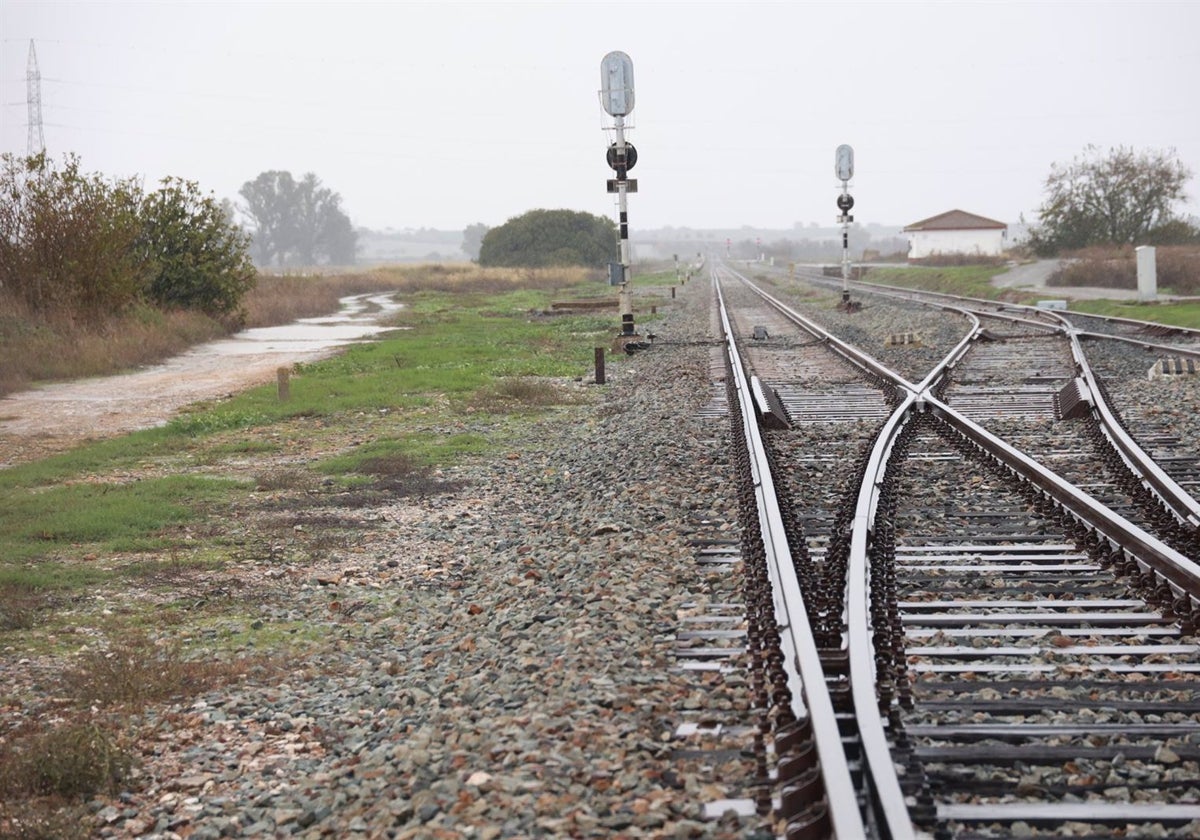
pixel 844 168
pixel 616 95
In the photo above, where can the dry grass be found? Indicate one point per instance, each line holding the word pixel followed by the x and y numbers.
pixel 42 818
pixel 468 277
pixel 520 394
pixel 281 299
pixel 1177 267
pixel 73 759
pixel 135 672
pixel 398 475
pixel 20 604
pixel 40 348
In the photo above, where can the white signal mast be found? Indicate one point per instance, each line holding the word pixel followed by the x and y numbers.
pixel 616 95
pixel 843 165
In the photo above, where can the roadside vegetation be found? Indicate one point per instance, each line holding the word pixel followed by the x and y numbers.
pixel 1183 314
pixel 1104 203
pixel 1177 268
pixel 98 273
pixel 49 346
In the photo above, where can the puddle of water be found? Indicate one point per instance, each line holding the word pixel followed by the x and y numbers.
pixel 151 396
pixel 355 321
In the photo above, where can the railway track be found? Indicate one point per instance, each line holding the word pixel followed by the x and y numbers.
pixel 952 636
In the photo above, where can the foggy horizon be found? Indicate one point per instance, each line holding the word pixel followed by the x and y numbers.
pixel 443 115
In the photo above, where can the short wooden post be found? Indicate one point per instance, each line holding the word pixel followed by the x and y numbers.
pixel 285 391
pixel 599 365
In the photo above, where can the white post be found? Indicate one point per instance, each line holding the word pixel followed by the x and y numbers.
pixel 624 299
pixel 845 248
pixel 1147 273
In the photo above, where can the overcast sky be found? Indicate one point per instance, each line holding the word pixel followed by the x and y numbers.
pixel 449 113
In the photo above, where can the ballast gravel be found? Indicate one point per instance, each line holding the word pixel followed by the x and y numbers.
pixel 496 661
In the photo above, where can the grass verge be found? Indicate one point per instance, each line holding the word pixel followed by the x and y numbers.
pixel 969 280
pixel 1183 314
pixel 470 361
pixel 142 569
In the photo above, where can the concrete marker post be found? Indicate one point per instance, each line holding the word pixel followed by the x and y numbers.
pixel 283 384
pixel 1147 273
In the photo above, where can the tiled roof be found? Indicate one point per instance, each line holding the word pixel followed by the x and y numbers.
pixel 955 220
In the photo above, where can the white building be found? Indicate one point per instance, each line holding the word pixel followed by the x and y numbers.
pixel 956 232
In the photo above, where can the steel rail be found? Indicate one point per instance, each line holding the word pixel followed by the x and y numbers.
pixel 848 351
pixel 888 803
pixel 1178 500
pixel 1180 571
pixel 1182 504
pixel 915 294
pixel 1174 567
pixel 802 660
pixel 1182 574
pixel 891 808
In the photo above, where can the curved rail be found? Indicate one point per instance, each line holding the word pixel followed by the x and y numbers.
pixel 1182 574
pixel 1177 500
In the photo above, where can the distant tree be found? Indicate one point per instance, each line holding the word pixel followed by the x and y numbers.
pixel 473 240
pixel 1115 198
pixel 542 238
pixel 271 204
pixel 200 258
pixel 323 232
pixel 69 240
pixel 297 222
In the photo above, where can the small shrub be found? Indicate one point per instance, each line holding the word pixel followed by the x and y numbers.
pixel 520 393
pixel 283 479
pixel 19 605
pixel 399 475
pixel 75 759
pixel 135 672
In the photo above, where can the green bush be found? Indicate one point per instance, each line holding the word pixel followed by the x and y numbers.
pixel 69 241
pixel 201 261
pixel 86 247
pixel 543 238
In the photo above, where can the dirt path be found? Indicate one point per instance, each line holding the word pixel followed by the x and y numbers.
pixel 55 417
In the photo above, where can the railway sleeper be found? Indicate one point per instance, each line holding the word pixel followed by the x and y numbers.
pixel 1015 731
pixel 980 756
pixel 1051 814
